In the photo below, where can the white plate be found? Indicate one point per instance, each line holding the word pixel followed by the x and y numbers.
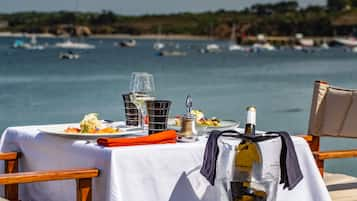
pixel 60 131
pixel 224 124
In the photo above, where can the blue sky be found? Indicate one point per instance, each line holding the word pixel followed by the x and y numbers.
pixel 134 6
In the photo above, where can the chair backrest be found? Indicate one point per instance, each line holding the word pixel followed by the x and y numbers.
pixel 333 111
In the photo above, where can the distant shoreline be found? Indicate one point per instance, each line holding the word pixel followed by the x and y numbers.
pixel 113 36
pixel 275 40
pixel 150 36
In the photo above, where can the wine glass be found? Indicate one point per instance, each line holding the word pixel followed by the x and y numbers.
pixel 142 89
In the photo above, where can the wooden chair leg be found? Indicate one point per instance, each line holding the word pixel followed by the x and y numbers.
pixel 11 190
pixel 84 189
pixel 320 165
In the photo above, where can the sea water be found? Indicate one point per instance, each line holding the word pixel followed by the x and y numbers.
pixel 36 87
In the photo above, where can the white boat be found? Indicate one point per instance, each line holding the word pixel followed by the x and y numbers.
pixel 158 45
pixel 350 42
pixel 211 48
pixel 298 47
pixel 306 42
pixel 68 44
pixel 305 49
pixel 128 43
pixel 68 55
pixel 32 45
pixel 324 46
pixel 235 47
pixel 172 53
pixel 263 47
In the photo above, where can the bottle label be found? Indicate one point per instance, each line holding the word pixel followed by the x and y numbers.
pixel 251 117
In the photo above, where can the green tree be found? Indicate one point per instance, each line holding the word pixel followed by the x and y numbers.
pixel 105 18
pixel 338 5
pixel 354 3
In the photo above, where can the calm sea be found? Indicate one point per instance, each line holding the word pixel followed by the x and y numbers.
pixel 36 87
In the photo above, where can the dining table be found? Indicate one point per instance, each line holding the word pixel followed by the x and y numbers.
pixel 157 172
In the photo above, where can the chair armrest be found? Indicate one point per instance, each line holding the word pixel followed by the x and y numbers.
pixel 10 156
pixel 322 155
pixel 308 138
pixel 40 176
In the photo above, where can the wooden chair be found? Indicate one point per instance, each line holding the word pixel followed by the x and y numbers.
pixel 334 114
pixel 12 178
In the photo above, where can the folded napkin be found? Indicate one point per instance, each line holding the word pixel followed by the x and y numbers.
pixel 291 173
pixel 290 169
pixel 164 137
pixel 208 168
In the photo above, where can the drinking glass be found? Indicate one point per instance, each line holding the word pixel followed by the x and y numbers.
pixel 142 89
pixel 158 112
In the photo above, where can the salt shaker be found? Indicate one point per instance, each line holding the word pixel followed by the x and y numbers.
pixel 188 129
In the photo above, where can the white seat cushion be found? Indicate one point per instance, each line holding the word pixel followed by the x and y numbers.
pixel 341 187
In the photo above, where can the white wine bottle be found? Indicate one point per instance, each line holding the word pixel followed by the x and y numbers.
pixel 247 155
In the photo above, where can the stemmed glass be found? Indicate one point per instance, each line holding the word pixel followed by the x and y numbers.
pixel 142 89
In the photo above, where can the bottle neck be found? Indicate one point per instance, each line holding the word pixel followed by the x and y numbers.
pixel 249 129
pixel 250 123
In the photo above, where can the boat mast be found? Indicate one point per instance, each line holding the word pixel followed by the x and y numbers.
pixel 233 34
pixel 211 31
pixel 159 33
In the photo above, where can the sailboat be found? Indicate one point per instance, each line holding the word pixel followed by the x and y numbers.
pixel 158 45
pixel 211 47
pixel 68 44
pixel 233 46
pixel 33 44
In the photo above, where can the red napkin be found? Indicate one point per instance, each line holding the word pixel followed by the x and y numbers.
pixel 164 137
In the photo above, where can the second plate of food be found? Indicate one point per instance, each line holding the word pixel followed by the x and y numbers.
pixel 223 124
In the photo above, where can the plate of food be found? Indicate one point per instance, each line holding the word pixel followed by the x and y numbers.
pixel 89 127
pixel 203 123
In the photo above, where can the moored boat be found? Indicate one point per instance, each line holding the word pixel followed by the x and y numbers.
pixel 263 47
pixel 128 43
pixel 172 53
pixel 68 55
pixel 211 48
pixel 68 44
pixel 324 46
pixel 18 44
pixel 262 44
pixel 32 45
pixel 158 45
pixel 349 42
pixel 233 46
pixel 306 42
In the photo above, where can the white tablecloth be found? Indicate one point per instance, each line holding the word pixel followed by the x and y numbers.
pixel 167 172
